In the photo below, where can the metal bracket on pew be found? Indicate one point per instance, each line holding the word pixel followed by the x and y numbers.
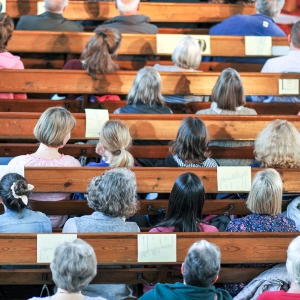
pixel 150 208
pixel 140 277
pixel 230 207
pixel 172 274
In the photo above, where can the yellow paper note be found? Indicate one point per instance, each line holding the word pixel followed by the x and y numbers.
pixel 258 45
pixel 288 86
pixel 46 244
pixel 166 43
pixel 95 118
pixel 11 169
pixel 157 248
pixel 40 8
pixel 234 179
pixel 3 6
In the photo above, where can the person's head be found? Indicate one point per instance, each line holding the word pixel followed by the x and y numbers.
pixel 201 266
pixel 6 29
pixel 265 195
pixel 270 8
pixel 185 204
pixel 128 7
pixel 74 265
pixel 114 193
pixel 294 37
pixel 228 92
pixel 14 191
pixel 278 145
pixel 114 142
pixel 54 127
pixel 146 88
pixel 293 261
pixel 56 6
pixel 187 54
pixel 100 50
pixel 191 143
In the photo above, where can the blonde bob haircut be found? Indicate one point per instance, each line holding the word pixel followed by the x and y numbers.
pixel 53 126
pixel 265 196
pixel 187 54
pixel 115 138
pixel 278 145
pixel 228 92
pixel 146 88
pixel 293 261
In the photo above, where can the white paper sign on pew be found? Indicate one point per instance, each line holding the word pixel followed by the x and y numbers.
pixel 156 248
pixel 2 6
pixel 11 169
pixel 166 43
pixel 258 45
pixel 40 8
pixel 234 179
pixel 288 86
pixel 46 244
pixel 95 118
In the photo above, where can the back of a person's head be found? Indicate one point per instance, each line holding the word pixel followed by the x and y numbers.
pixel 100 50
pixel 146 88
pixel 202 264
pixel 6 29
pixel 228 92
pixel 295 35
pixel 187 54
pixel 53 126
pixel 74 265
pixel 114 193
pixel 13 188
pixel 278 145
pixel 265 195
pixel 269 7
pixel 191 143
pixel 115 138
pixel 55 6
pixel 293 261
pixel 185 204
pixel 127 6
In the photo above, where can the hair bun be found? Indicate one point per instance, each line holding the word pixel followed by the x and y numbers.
pixel 21 187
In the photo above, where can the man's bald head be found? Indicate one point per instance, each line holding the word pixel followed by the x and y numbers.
pixel 56 6
pixel 128 7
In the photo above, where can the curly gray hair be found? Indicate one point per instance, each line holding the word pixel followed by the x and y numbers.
pixel 114 193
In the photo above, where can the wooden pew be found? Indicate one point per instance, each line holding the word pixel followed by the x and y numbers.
pixel 158 12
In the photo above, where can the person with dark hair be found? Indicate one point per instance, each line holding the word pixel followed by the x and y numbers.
pixel 17 217
pixel 200 271
pixel 7 60
pixel 190 148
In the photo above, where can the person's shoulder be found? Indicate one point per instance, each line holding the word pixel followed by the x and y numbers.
pixel 70 161
pixel 25 22
pixel 132 227
pixel 249 111
pixel 272 295
pixel 72 25
pixel 19 160
pixel 209 228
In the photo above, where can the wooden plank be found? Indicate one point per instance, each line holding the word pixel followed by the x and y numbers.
pixel 133 44
pixel 79 82
pixel 158 12
pixel 159 180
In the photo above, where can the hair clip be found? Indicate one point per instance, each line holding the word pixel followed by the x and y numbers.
pixel 101 33
pixel 24 198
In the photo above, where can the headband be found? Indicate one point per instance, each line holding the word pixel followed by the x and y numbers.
pixel 24 198
pixel 101 33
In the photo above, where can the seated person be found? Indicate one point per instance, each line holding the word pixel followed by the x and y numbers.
pixel 200 271
pixel 73 267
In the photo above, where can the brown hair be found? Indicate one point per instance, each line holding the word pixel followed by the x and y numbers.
pixel 228 92
pixel 191 143
pixel 100 50
pixel 6 29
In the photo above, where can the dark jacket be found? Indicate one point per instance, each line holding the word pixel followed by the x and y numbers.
pixel 48 21
pixel 142 108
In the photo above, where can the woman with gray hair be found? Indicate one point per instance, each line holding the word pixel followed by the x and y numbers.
pixel 73 268
pixel 113 197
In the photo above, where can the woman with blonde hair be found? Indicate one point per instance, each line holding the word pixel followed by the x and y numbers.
pixel 7 60
pixel 278 146
pixel 114 142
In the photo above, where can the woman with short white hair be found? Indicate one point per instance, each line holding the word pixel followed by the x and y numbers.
pixel 73 267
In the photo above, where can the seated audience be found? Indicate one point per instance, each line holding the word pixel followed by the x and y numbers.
pixel 200 271
pixel 228 98
pixel 7 60
pixel 73 267
pixel 51 20
pixel 113 197
pixel 186 58
pixel 190 148
pixel 265 202
pixel 114 142
pixel 277 146
pixel 53 130
pixel 293 269
pixel 18 217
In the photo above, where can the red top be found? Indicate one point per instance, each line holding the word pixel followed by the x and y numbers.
pixel 281 295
